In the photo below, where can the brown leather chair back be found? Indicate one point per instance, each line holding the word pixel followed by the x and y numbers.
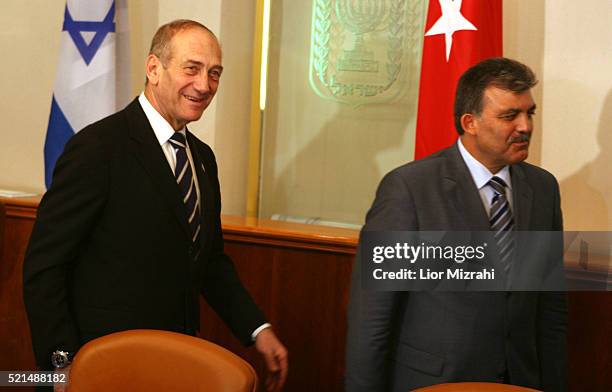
pixel 474 387
pixel 150 360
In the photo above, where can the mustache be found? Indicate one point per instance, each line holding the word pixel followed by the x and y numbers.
pixel 523 137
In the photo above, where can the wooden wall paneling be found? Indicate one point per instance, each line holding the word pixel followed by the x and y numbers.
pixel 310 300
pixel 2 225
pixel 590 341
pixel 14 327
pixel 15 344
pixel 304 293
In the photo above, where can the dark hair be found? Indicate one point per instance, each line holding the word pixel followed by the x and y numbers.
pixel 160 45
pixel 500 72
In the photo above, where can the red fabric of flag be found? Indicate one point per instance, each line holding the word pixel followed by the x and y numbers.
pixel 471 31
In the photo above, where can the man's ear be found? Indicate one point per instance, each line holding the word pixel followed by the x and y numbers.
pixel 153 69
pixel 469 123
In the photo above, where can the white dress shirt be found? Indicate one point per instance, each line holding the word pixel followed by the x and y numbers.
pixel 481 176
pixel 163 132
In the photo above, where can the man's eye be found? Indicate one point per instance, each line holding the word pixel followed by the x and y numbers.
pixel 215 75
pixel 191 69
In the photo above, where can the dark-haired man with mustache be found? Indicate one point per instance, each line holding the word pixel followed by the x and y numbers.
pixel 398 341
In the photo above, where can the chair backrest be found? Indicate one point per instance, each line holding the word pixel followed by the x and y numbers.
pixel 474 387
pixel 151 360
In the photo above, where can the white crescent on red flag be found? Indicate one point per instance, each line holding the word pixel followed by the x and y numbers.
pixel 458 34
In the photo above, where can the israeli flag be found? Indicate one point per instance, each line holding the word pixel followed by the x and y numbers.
pixel 92 79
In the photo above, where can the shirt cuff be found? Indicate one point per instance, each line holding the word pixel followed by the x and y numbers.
pixel 258 330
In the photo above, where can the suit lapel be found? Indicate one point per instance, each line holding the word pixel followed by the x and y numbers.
pixel 462 192
pixel 522 195
pixel 147 150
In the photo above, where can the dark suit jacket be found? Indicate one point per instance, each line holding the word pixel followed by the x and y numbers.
pixel 111 249
pixel 403 340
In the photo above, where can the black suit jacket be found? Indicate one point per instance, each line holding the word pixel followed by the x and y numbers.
pixel 111 250
pixel 403 340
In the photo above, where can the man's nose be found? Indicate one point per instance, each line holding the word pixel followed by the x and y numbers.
pixel 524 123
pixel 202 82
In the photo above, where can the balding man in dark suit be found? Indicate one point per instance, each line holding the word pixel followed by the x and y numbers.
pixel 129 234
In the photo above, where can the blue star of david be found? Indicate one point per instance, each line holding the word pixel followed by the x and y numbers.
pixel 74 28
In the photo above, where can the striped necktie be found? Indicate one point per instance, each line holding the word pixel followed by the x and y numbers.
pixel 186 183
pixel 502 222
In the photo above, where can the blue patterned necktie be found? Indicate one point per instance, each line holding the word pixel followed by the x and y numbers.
pixel 186 183
pixel 502 222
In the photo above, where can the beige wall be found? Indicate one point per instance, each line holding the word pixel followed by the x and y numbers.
pixel 568 43
pixel 29 40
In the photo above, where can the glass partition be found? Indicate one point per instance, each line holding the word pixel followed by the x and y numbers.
pixel 341 103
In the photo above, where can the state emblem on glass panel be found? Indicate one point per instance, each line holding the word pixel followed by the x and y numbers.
pixel 363 51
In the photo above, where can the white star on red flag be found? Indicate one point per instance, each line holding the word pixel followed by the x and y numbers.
pixel 451 20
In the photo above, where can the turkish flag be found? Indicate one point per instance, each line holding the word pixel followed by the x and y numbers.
pixel 467 32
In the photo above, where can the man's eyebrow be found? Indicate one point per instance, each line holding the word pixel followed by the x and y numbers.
pixel 194 62
pixel 510 111
pixel 517 110
pixel 199 63
pixel 217 67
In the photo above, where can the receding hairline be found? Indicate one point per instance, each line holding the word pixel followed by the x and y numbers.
pixel 161 44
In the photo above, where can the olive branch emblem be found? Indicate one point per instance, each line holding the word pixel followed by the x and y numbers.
pixel 330 25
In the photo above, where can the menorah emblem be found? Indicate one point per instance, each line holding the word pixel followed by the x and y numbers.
pixel 359 17
pixel 363 51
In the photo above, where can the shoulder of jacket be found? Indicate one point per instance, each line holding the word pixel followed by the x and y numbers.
pixel 422 168
pixel 536 173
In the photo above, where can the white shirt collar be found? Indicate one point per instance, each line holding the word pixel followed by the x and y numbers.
pixel 480 174
pixel 162 128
